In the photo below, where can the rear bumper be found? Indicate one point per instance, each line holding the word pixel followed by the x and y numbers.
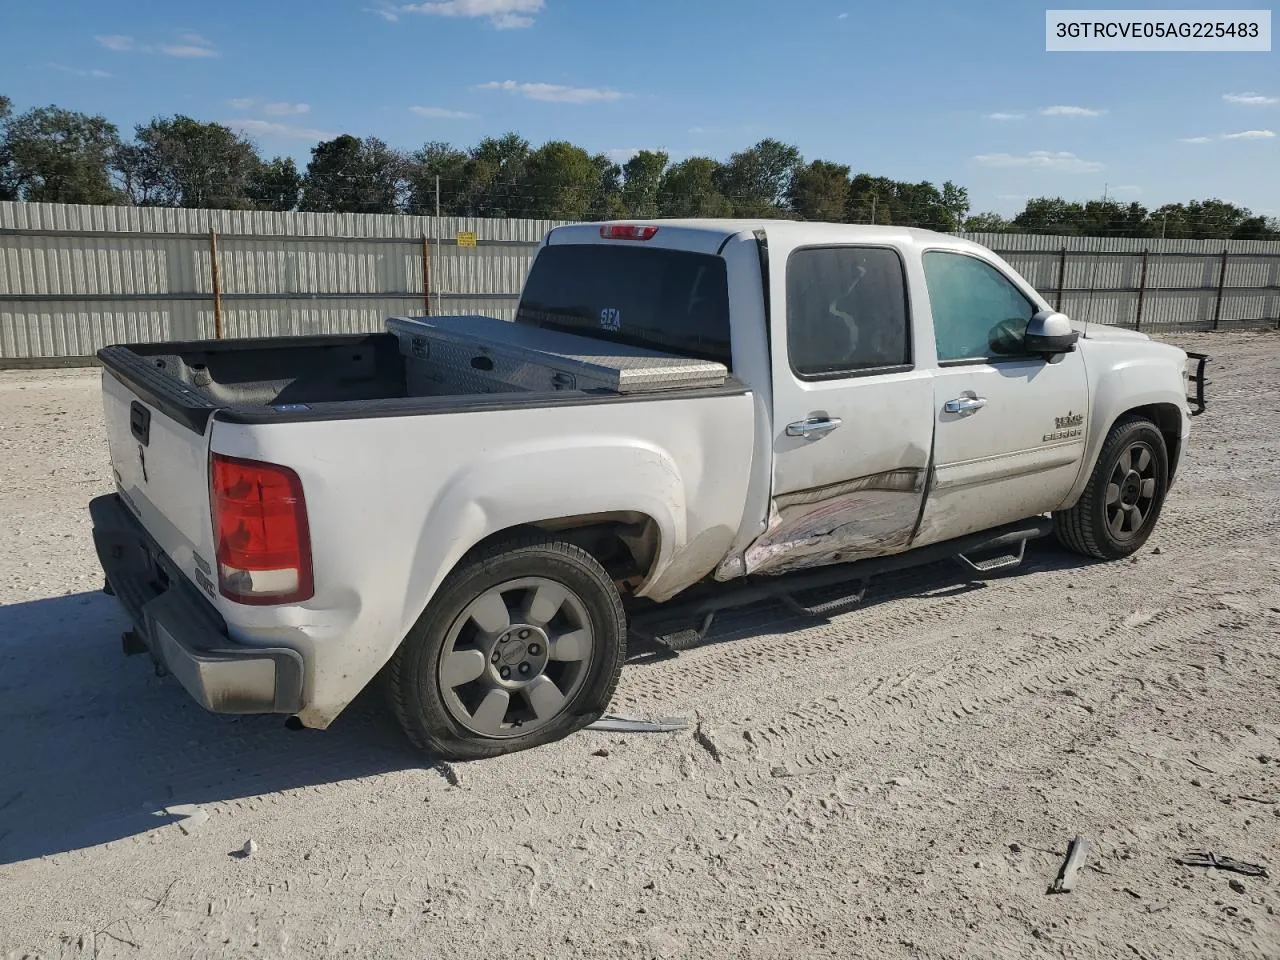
pixel 182 630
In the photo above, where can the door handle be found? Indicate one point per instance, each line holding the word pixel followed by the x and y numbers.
pixel 813 428
pixel 963 405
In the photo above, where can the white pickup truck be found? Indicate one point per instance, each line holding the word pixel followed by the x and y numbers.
pixel 474 508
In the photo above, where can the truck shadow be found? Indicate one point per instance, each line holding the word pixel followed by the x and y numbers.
pixel 94 747
pixel 938 579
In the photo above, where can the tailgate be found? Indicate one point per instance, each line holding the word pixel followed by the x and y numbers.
pixel 161 469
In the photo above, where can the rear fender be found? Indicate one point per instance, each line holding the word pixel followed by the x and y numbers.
pixel 526 485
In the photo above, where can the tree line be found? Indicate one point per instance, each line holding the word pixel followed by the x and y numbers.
pixel 56 155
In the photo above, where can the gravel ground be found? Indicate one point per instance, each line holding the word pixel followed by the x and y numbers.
pixel 901 781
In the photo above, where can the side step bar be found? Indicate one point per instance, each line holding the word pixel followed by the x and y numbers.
pixel 656 621
pixel 1005 561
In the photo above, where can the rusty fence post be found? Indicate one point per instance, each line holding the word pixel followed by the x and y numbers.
pixel 215 275
pixel 426 276
pixel 1222 282
pixel 1062 277
pixel 1142 290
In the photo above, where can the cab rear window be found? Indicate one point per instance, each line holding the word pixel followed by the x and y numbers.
pixel 666 300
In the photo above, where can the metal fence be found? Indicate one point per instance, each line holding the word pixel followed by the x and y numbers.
pixel 1151 285
pixel 75 278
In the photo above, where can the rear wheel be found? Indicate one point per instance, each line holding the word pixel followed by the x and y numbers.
pixel 522 645
pixel 1123 499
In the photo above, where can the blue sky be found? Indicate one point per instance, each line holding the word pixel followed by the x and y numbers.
pixel 912 90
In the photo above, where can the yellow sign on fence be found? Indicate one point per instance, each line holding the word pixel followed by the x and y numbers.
pixel 466 239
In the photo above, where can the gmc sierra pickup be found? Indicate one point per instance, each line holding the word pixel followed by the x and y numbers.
pixel 473 508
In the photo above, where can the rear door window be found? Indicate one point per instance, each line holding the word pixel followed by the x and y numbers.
pixel 666 300
pixel 846 311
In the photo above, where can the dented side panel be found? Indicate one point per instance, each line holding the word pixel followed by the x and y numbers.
pixel 869 517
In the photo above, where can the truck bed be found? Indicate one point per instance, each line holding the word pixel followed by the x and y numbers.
pixel 418 358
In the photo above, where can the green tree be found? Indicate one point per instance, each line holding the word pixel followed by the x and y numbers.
pixel 8 189
pixel 1216 219
pixel 450 165
pixel 955 200
pixel 756 180
pixel 560 182
pixel 180 162
pixel 350 175
pixel 606 202
pixel 871 199
pixel 820 191
pixel 1050 215
pixel 60 156
pixel 688 189
pixel 988 223
pixel 495 176
pixel 275 185
pixel 642 176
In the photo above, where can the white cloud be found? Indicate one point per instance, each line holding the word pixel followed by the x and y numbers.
pixel 1059 161
pixel 80 72
pixel 1251 99
pixel 1242 135
pixel 842 16
pixel 440 113
pixel 502 14
pixel 286 131
pixel 188 45
pixel 284 109
pixel 553 92
pixel 277 108
pixel 187 50
pixel 1069 111
pixel 1006 116
pixel 622 154
pixel 118 42
pixel 386 13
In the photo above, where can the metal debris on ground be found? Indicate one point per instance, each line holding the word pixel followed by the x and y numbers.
pixel 192 816
pixel 1205 858
pixel 614 724
pixel 1069 873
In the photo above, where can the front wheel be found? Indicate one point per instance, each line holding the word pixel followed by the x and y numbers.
pixel 523 644
pixel 1123 498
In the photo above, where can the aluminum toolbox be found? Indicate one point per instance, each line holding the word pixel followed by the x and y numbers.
pixel 484 354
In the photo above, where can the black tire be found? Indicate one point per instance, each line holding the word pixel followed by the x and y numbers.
pixel 1103 524
pixel 417 676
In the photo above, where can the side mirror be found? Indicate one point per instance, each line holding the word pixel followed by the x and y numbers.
pixel 1049 332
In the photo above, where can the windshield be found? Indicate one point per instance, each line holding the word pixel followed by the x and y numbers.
pixel 667 300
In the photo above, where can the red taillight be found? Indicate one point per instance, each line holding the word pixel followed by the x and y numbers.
pixel 627 231
pixel 262 543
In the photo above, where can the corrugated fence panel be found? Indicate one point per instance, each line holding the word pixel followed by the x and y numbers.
pixel 76 278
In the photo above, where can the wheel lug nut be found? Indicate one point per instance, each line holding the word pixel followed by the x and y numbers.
pixel 496 656
pixel 505 672
pixel 534 649
pixel 524 668
pixel 524 634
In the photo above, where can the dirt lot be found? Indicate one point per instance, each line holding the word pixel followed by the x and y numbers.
pixel 899 782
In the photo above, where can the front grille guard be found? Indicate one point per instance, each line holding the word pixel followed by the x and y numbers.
pixel 1197 399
